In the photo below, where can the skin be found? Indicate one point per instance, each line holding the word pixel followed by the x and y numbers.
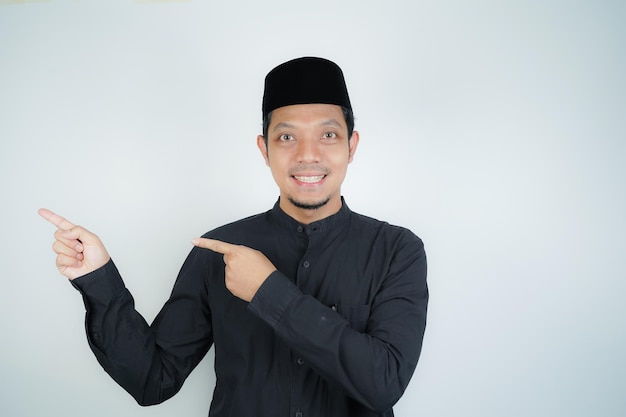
pixel 308 152
pixel 79 251
pixel 308 141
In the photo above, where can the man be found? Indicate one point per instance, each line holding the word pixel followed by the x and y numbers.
pixel 314 310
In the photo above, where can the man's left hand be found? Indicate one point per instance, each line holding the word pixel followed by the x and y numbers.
pixel 246 268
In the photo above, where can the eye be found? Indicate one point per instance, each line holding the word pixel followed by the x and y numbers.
pixel 330 135
pixel 285 137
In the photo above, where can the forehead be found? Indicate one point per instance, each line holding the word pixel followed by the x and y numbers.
pixel 308 114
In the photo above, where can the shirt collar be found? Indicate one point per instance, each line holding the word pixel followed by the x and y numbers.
pixel 333 222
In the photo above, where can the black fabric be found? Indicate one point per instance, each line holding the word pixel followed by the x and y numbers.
pixel 304 81
pixel 336 331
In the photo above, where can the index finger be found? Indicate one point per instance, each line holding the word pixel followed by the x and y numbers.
pixel 214 245
pixel 55 219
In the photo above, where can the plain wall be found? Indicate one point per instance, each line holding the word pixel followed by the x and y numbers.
pixel 494 130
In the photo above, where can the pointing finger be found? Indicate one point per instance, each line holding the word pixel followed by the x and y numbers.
pixel 68 233
pixel 214 245
pixel 55 219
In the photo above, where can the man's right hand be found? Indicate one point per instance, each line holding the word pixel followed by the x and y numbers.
pixel 79 251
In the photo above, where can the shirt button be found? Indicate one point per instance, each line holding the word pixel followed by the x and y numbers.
pixel 300 361
pixel 306 264
pixel 300 229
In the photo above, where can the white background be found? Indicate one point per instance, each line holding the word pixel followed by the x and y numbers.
pixel 494 130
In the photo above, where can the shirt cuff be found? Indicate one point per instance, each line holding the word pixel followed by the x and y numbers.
pixel 273 298
pixel 102 285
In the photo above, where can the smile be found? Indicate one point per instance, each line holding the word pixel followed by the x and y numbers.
pixel 309 179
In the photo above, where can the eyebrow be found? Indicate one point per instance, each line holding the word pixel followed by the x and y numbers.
pixel 285 125
pixel 331 122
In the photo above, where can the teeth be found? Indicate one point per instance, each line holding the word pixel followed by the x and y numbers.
pixel 309 179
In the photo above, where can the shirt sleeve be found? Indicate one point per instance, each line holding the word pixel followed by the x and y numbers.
pixel 151 362
pixel 374 365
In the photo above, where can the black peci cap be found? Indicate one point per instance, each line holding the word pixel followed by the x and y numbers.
pixel 305 80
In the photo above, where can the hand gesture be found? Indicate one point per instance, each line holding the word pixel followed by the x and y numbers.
pixel 246 268
pixel 79 251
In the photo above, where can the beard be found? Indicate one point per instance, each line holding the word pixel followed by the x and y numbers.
pixel 309 206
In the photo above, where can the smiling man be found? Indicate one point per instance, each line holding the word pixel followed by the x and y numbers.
pixel 313 309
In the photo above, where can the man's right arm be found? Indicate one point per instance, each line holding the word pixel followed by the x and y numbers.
pixel 150 362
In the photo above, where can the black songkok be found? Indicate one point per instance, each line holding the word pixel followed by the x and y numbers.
pixel 305 80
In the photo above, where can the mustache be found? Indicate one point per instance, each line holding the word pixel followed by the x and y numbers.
pixel 309 169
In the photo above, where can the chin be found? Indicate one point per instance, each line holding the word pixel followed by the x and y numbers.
pixel 309 205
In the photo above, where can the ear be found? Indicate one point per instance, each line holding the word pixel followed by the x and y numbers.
pixel 260 143
pixel 354 143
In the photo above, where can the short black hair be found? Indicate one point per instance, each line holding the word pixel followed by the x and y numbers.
pixel 348 115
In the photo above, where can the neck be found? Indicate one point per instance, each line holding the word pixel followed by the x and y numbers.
pixel 310 213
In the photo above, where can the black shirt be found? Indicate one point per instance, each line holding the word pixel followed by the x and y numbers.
pixel 336 331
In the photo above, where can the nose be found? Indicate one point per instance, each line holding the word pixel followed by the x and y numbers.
pixel 308 150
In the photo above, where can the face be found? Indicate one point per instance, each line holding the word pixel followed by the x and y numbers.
pixel 308 152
